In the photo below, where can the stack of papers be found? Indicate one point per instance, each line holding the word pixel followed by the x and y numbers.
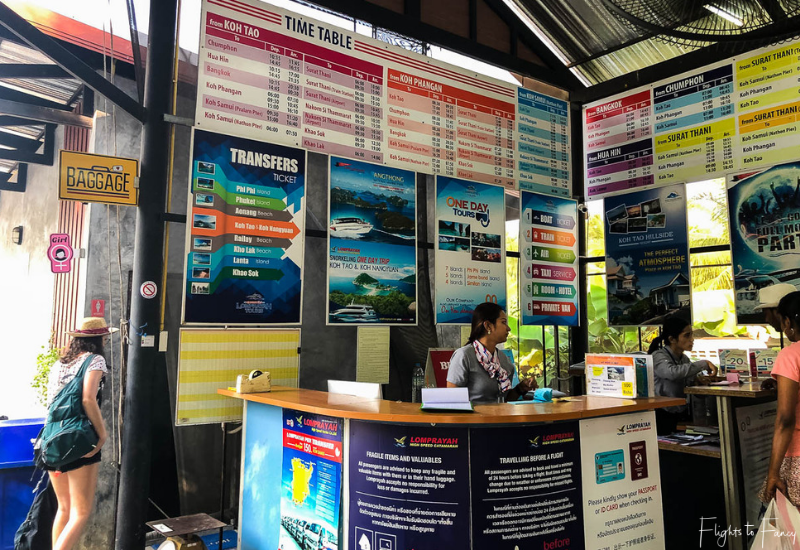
pixel 446 399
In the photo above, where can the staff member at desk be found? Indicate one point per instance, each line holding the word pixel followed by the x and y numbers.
pixel 784 463
pixel 673 370
pixel 480 367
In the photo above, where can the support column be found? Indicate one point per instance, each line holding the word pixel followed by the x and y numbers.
pixel 148 266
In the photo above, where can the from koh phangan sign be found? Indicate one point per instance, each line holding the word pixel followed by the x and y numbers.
pixel 97 178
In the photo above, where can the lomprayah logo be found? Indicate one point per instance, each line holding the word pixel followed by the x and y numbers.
pixel 400 442
pixel 621 430
pixel 535 442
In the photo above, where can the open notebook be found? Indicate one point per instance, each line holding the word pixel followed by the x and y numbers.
pixel 446 399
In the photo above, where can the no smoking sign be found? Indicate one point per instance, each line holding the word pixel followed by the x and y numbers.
pixel 148 290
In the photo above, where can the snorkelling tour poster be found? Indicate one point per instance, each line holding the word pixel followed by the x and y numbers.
pixel 764 214
pixel 311 479
pixel 372 243
pixel 470 248
pixel 244 249
pixel 647 256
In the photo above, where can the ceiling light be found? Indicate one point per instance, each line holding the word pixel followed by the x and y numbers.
pixel 725 14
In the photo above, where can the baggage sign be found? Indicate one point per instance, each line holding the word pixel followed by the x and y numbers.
pixel 97 178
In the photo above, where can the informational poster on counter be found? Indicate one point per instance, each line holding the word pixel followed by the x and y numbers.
pixel 409 487
pixel 526 487
pixel 619 375
pixel 244 261
pixel 621 482
pixel 470 248
pixel 764 214
pixel 647 256
pixel 372 239
pixel 549 251
pixel 756 427
pixel 311 481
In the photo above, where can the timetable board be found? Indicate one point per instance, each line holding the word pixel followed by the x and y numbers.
pixel 737 114
pixel 270 74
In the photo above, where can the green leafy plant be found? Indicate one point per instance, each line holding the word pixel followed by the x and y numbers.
pixel 44 362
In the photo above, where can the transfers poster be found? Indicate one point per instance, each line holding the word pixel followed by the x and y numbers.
pixel 647 256
pixel 372 242
pixel 621 482
pixel 526 487
pixel 409 487
pixel 470 248
pixel 244 260
pixel 764 213
pixel 549 252
pixel 311 480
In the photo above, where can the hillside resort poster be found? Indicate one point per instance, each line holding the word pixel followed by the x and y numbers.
pixel 372 239
pixel 244 257
pixel 470 248
pixel 764 213
pixel 647 256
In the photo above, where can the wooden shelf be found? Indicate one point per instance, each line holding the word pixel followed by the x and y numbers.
pixel 745 389
pixel 711 451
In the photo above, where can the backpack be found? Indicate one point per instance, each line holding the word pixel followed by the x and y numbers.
pixel 36 532
pixel 68 433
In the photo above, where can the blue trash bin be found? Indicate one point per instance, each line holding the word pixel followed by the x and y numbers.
pixel 16 475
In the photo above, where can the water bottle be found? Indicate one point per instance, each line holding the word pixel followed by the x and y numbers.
pixel 417 383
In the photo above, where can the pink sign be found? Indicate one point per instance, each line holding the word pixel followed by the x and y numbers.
pixel 60 253
pixel 98 308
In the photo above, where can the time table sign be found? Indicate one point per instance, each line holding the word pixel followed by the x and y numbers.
pixel 270 74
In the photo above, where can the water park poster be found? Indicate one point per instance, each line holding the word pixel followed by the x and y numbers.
pixel 470 248
pixel 549 254
pixel 244 249
pixel 647 256
pixel 764 214
pixel 372 243
pixel 311 480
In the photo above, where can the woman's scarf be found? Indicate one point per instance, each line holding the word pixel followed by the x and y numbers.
pixel 491 364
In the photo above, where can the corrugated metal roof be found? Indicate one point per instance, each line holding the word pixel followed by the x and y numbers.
pixel 584 30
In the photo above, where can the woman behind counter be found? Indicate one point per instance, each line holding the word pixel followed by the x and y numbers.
pixel 480 367
pixel 784 463
pixel 673 370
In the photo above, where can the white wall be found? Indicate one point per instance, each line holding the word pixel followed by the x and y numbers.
pixel 26 285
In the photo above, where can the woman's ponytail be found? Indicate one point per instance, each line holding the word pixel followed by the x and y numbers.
pixel 656 344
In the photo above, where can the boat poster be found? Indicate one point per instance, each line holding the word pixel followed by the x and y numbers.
pixel 549 252
pixel 311 480
pixel 647 256
pixel 244 250
pixel 372 243
pixel 470 248
pixel 764 214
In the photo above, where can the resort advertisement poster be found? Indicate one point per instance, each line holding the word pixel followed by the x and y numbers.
pixel 764 214
pixel 621 482
pixel 409 487
pixel 549 260
pixel 526 487
pixel 470 248
pixel 647 256
pixel 372 243
pixel 311 480
pixel 244 259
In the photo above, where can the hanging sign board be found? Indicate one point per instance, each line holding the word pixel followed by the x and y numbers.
pixel 97 178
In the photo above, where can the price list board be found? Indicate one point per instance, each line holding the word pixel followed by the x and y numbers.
pixel 695 126
pixel 618 144
pixel 549 251
pixel 543 143
pixel 768 106
pixel 269 74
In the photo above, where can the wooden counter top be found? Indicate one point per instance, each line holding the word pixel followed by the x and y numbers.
pixel 745 389
pixel 378 410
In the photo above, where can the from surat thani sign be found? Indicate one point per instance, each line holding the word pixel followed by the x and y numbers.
pixel 87 177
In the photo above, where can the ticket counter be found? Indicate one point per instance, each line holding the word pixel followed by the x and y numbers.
pixel 343 472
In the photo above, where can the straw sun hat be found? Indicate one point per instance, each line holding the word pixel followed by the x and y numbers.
pixel 90 327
